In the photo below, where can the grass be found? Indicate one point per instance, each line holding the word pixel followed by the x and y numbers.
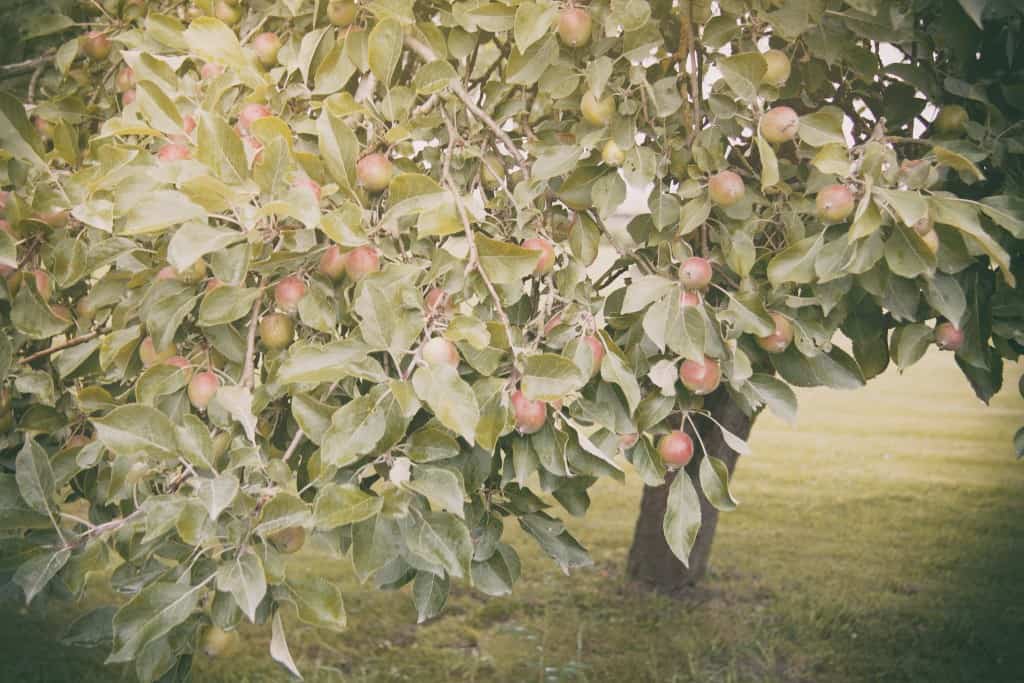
pixel 881 539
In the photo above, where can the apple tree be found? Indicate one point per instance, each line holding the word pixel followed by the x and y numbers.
pixel 290 272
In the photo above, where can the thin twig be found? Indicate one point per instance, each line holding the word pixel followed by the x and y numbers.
pixel 34 81
pixel 249 369
pixel 427 55
pixel 294 445
pixel 26 66
pixel 638 258
pixel 60 347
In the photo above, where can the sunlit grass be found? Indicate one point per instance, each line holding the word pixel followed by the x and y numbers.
pixel 880 539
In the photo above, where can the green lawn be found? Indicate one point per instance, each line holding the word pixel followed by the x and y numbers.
pixel 881 539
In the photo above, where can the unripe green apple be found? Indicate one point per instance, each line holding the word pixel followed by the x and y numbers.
pixel 779 125
pixel 834 203
pixel 780 339
pixel 948 336
pixel 676 449
pixel 726 188
pixel 341 12
pixel 288 292
pixel 530 415
pixel 612 154
pixel 778 67
pixel 332 263
pixel 700 378
pixel 276 331
pixel 374 172
pixel 266 45
pixel 596 352
pixel 95 45
pixel 546 259
pixel 695 273
pixel 597 112
pixel 951 121
pixel 125 79
pixel 574 26
pixel 289 540
pixel 150 356
pixel 217 641
pixel 360 262
pixel 202 388
pixel 226 12
pixel 440 351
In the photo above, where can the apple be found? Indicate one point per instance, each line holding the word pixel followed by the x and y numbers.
pixel 95 45
pixel 150 356
pixel 700 378
pixel 42 281
pixel 676 449
pixel 61 311
pixel 188 124
pixel 612 155
pixel 194 273
pixel 440 351
pixel 173 152
pixel 627 441
pixel 437 302
pixel 695 273
pixel 266 45
pixel 726 188
pixel 332 263
pixel 492 170
pixel 202 388
pixel 288 540
pixel 77 441
pixel 341 12
pixel 127 97
pixel 309 184
pixel 546 259
pixel 948 336
pixel 779 340
pixel 574 26
pixel 250 113
pixel 951 121
pixel 210 70
pixel 931 240
pixel 44 127
pixel 374 172
pixel 688 298
pixel 834 203
pixel 360 262
pixel 530 415
pixel 779 124
pixel 167 273
pixel 125 79
pixel 228 13
pixel 217 641
pixel 288 292
pixel 597 112
pixel 778 67
pixel 276 331
pixel 596 351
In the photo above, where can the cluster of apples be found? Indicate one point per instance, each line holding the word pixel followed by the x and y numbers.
pixel 531 415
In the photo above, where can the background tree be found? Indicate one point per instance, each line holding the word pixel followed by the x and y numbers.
pixel 296 270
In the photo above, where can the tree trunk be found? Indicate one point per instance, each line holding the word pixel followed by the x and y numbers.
pixel 651 563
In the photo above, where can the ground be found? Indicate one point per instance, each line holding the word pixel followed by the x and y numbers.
pixel 880 539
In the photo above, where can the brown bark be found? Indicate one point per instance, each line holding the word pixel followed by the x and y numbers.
pixel 651 563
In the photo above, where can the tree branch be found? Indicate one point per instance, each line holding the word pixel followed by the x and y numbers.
pixel 249 369
pixel 60 347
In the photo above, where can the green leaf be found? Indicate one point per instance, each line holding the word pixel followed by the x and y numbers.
pixel 342 504
pixel 244 578
pixel 356 429
pixel 433 77
pixel 1007 211
pixel 15 512
pixel 339 148
pixel 777 395
pixel 329 363
pixel 644 291
pixel 216 494
pixel 963 216
pixel 227 304
pixel 714 482
pixel 279 646
pixel 505 263
pixel 213 41
pixel 693 214
pixel 17 135
pixel 450 399
pixel 549 377
pixel 909 344
pixel 743 73
pixel 532 22
pixel 944 294
pixel 429 594
pixel 443 487
pixel 823 127
pixel 33 574
pixel 769 163
pixel 31 316
pixel 906 254
pixel 444 540
pixel 34 475
pixel 160 210
pixel 795 263
pixel 496 575
pixel 555 541
pixel 313 417
pixel 835 369
pixel 317 602
pixel 385 49
pixel 682 517
pixel 150 615
pixel 194 240
pixel 134 428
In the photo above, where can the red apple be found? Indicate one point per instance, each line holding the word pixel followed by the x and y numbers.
pixel 150 356
pixel 266 45
pixel 276 331
pixel 202 388
pixel 173 152
pixel 546 259
pixel 779 340
pixel 700 378
pixel 210 70
pixel 374 172
pixel 574 26
pixel 597 352
pixel 332 263
pixel 440 351
pixel 688 298
pixel 288 292
pixel 779 125
pixel 42 280
pixel 695 273
pixel 95 45
pixel 127 97
pixel 676 449
pixel 834 203
pixel 530 415
pixel 437 302
pixel 948 336
pixel 726 188
pixel 188 124
pixel 227 12
pixel 627 441
pixel 167 273
pixel 341 12
pixel 309 184
pixel 250 113
pixel 360 262
pixel 125 79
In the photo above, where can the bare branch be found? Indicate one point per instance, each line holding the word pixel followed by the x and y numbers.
pixel 60 347
pixel 249 369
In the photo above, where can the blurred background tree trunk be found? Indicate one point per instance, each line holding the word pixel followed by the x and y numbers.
pixel 651 563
